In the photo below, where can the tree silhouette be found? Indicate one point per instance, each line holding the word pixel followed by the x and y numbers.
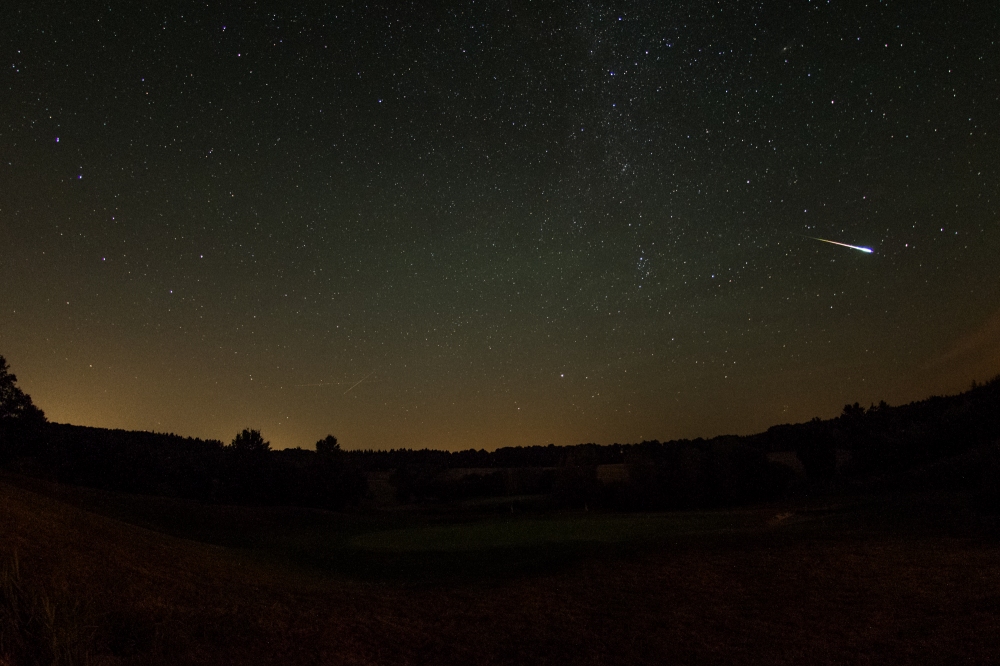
pixel 328 446
pixel 251 475
pixel 15 404
pixel 250 441
pixel 21 423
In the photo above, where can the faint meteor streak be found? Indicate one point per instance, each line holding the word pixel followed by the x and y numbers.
pixel 853 247
pixel 359 381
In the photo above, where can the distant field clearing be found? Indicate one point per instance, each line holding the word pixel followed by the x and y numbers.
pixel 532 532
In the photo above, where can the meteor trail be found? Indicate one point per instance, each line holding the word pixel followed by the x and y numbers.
pixel 359 381
pixel 853 247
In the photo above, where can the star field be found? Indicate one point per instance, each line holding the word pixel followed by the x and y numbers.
pixel 496 224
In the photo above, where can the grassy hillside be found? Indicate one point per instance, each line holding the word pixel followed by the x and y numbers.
pixel 146 580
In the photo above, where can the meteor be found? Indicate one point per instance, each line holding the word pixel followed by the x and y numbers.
pixel 362 379
pixel 867 250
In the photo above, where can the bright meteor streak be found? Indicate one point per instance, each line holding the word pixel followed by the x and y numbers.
pixel 853 247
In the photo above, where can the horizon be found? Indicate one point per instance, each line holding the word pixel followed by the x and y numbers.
pixel 973 385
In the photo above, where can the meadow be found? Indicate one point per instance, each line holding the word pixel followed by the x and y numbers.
pixel 849 579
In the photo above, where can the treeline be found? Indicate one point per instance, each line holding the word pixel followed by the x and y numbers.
pixel 246 471
pixel 651 475
pixel 942 441
pixel 879 440
pixel 884 441
pixel 958 436
pixel 510 456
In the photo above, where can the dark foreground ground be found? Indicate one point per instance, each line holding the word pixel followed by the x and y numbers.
pixel 117 579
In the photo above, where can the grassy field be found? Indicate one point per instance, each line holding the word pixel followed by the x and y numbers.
pixel 138 580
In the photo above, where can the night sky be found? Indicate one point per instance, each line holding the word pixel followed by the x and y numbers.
pixel 497 224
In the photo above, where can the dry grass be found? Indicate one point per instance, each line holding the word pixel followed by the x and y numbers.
pixel 36 629
pixel 820 591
